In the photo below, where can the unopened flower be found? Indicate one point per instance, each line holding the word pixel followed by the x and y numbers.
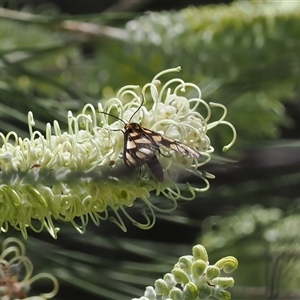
pixel 13 263
pixel 80 174
pixel 194 278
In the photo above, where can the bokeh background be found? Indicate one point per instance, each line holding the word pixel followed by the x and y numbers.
pixel 57 56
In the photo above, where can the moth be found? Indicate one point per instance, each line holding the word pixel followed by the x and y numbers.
pixel 141 145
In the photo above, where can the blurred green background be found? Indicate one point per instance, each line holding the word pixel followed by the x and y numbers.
pixel 243 54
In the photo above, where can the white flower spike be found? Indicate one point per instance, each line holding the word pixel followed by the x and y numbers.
pixel 80 174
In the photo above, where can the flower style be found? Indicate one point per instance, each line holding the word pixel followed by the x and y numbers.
pixel 79 174
pixel 194 278
pixel 12 285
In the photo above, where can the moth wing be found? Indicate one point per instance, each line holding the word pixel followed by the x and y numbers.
pixel 179 147
pixel 139 147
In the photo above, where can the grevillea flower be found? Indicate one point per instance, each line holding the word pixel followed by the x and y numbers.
pixel 13 263
pixel 194 278
pixel 79 174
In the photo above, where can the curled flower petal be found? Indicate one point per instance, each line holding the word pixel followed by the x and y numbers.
pixel 14 283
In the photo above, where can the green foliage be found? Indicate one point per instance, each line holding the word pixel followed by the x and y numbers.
pixel 244 55
pixel 267 244
pixel 40 71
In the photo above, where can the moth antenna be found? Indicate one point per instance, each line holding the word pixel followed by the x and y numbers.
pixel 105 113
pixel 137 109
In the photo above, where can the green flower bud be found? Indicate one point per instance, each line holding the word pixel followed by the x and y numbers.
pixel 180 276
pixel 204 291
pixel 223 282
pixel 150 293
pixel 170 280
pixel 195 279
pixel 190 291
pixel 221 294
pixel 212 272
pixel 198 268
pixel 161 287
pixel 176 294
pixel 185 263
pixel 228 264
pixel 199 253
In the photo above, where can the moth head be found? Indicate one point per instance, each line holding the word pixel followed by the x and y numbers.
pixel 132 127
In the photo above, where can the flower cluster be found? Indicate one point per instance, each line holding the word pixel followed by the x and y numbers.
pixel 194 278
pixel 79 174
pixel 13 262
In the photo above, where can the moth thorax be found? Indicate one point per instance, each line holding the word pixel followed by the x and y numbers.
pixel 132 126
